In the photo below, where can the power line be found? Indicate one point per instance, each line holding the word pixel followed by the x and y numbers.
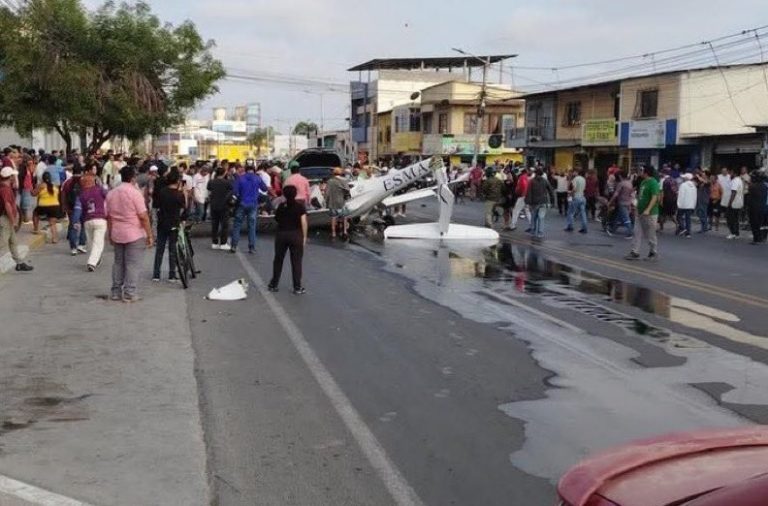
pixel 727 85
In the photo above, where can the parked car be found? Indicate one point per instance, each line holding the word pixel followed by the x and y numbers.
pixel 717 468
pixel 317 164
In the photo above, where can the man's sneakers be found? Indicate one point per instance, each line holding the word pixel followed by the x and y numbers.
pixel 568 229
pixel 233 249
pixel 225 247
pixel 156 279
pixel 652 256
pixel 300 290
pixel 73 252
pixel 22 267
pixel 82 250
pixel 632 256
pixel 215 246
pixel 273 288
pixel 583 231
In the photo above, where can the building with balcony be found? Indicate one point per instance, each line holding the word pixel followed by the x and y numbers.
pixel 706 117
pixel 391 83
pixel 449 120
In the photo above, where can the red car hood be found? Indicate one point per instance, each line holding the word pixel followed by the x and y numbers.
pixel 585 479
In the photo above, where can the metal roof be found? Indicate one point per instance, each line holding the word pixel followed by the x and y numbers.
pixel 431 63
pixel 618 80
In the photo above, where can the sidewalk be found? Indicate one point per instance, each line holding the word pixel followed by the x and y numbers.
pixel 98 399
pixel 28 242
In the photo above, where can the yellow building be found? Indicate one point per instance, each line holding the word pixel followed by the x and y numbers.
pixel 449 116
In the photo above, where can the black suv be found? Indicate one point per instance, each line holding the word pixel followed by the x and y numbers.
pixel 317 164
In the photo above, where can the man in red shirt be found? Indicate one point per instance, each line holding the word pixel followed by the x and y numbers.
pixel 301 183
pixel 8 219
pixel 521 190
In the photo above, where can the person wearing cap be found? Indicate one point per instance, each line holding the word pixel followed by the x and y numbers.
pixel 8 219
pixel 70 193
pixel 686 203
pixel 129 232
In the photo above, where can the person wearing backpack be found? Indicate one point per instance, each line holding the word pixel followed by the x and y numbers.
pixel 70 194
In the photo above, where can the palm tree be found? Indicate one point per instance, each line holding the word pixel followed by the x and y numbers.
pixel 258 138
pixel 305 128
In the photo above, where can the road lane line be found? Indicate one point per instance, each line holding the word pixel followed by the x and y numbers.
pixel 25 493
pixel 660 276
pixel 400 490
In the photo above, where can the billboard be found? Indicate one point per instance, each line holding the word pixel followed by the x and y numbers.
pixel 599 132
pixel 647 134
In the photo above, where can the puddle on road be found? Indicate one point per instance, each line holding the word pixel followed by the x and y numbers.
pixel 599 395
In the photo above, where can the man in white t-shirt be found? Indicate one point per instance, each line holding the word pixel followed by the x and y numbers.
pixel 733 199
pixel 200 192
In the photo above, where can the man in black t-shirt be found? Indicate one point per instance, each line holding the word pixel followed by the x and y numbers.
pixel 170 202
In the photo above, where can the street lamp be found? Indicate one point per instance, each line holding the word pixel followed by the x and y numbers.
pixel 481 103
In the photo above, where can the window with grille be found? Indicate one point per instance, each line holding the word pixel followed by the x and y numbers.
pixel 470 123
pixel 426 122
pixel 572 114
pixel 647 103
pixel 442 123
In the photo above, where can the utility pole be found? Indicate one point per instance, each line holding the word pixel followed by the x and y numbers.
pixel 481 103
pixel 480 114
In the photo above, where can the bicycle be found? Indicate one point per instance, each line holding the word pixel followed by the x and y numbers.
pixel 185 261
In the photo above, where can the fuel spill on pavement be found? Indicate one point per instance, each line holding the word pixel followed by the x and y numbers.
pixel 600 393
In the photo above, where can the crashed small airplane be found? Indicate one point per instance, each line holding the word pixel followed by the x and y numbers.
pixel 373 194
pixel 378 194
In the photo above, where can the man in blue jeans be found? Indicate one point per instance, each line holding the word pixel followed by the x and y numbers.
pixel 578 204
pixel 246 192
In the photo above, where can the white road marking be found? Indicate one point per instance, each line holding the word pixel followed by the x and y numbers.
pixel 400 490
pixel 18 490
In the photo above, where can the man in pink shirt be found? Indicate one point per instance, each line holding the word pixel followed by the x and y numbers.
pixel 300 182
pixel 129 232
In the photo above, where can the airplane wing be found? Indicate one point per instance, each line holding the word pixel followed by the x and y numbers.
pixel 396 200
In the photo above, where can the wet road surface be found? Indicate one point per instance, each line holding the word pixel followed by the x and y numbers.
pixel 483 374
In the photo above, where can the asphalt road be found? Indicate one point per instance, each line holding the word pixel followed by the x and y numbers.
pixel 419 374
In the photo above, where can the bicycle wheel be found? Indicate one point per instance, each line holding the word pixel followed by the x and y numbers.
pixel 182 265
pixel 191 260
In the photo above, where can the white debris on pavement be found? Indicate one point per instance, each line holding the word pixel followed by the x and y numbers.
pixel 236 290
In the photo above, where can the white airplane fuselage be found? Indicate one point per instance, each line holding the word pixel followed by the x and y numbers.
pixel 367 194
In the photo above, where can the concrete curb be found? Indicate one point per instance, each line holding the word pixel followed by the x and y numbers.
pixel 17 493
pixel 6 261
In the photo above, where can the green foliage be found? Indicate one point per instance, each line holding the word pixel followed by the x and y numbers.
pixel 116 71
pixel 260 137
pixel 305 128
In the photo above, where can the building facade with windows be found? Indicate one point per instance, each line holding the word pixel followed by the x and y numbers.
pixel 707 117
pixel 449 120
pixel 384 85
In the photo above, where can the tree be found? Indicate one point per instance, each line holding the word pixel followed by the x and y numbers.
pixel 259 138
pixel 305 128
pixel 114 72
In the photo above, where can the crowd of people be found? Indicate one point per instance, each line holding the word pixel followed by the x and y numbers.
pixel 638 202
pixel 135 201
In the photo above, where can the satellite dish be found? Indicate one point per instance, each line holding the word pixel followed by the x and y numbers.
pixel 415 95
pixel 494 141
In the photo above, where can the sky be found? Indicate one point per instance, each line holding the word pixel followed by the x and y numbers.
pixel 320 39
